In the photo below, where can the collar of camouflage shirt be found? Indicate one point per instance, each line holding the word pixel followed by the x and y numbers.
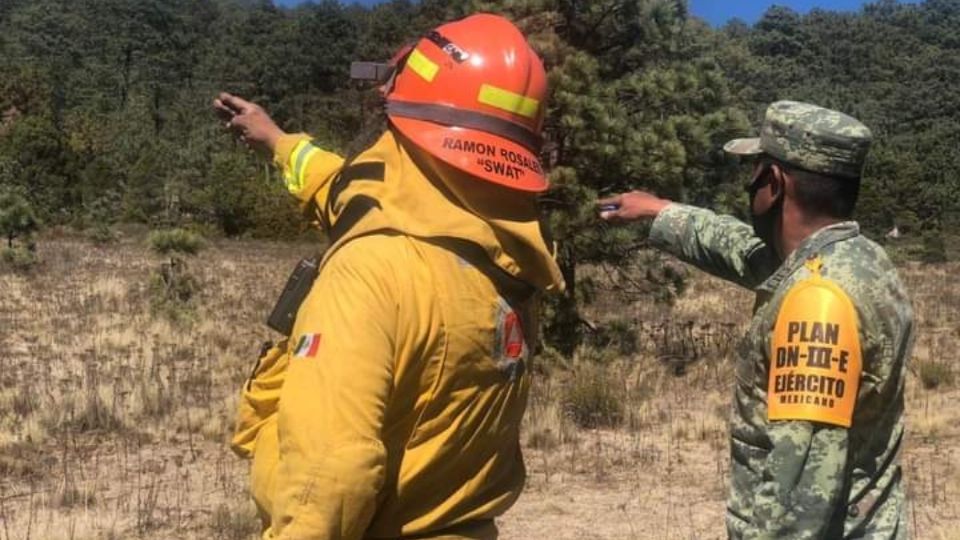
pixel 810 247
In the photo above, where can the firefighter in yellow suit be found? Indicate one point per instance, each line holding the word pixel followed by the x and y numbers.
pixel 394 408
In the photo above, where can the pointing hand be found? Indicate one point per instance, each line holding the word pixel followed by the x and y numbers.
pixel 631 206
pixel 249 122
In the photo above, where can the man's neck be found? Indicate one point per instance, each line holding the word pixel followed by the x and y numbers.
pixel 792 237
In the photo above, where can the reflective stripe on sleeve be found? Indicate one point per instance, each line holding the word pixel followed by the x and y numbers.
pixel 295 174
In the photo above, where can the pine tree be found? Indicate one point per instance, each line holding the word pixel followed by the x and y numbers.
pixel 17 219
pixel 636 103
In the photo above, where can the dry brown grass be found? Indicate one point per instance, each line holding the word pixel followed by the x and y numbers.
pixel 113 422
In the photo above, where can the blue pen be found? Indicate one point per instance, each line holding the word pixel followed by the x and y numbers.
pixel 610 208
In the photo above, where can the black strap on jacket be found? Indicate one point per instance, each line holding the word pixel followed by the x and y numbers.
pixel 374 171
pixel 358 207
pixel 370 170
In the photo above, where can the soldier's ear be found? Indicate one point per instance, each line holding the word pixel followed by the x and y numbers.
pixel 778 181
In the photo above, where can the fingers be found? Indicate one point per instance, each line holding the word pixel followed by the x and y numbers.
pixel 610 207
pixel 223 112
pixel 234 103
pixel 237 126
pixel 248 122
pixel 615 200
pixel 612 215
pixel 231 110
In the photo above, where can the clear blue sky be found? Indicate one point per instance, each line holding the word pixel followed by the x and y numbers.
pixel 720 11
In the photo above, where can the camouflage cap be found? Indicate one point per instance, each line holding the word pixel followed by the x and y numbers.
pixel 809 137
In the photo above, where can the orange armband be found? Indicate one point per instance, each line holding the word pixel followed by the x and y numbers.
pixel 815 358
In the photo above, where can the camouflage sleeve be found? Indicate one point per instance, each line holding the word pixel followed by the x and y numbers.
pixel 720 245
pixel 803 482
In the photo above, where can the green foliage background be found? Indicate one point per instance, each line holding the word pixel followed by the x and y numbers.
pixel 105 106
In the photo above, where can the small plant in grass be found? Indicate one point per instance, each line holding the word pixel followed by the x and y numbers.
pixel 19 258
pixel 72 496
pixel 176 242
pixel 594 397
pixel 101 234
pixel 172 286
pixel 98 219
pixel 934 374
pixel 934 248
pixel 544 439
pixel 231 523
pixel 17 219
pixel 17 223
pixel 618 335
pixel 21 460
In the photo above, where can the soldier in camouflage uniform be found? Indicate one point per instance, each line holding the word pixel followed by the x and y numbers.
pixel 817 420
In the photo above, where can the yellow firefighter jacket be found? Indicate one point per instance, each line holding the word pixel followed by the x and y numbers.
pixel 394 408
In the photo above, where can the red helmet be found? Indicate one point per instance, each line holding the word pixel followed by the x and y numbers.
pixel 473 93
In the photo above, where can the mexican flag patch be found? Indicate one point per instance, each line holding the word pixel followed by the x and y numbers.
pixel 307 346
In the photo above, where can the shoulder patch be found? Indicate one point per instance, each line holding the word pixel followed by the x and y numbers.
pixel 815 357
pixel 307 346
pixel 510 348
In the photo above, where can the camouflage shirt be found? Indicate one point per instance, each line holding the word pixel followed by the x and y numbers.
pixel 802 479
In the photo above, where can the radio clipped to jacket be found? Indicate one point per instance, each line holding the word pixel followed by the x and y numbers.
pixel 298 286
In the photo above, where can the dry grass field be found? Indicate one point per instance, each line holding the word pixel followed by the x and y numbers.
pixel 114 420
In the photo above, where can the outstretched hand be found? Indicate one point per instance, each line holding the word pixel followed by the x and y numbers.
pixel 631 206
pixel 249 122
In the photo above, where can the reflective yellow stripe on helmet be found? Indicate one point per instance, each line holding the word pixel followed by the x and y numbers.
pixel 508 101
pixel 422 66
pixel 295 173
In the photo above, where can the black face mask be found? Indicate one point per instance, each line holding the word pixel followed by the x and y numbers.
pixel 764 225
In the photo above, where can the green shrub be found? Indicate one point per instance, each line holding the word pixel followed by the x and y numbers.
pixel 101 234
pixel 562 326
pixel 934 249
pixel 176 241
pixel 18 259
pixel 17 219
pixel 934 374
pixel 172 291
pixel 594 397
pixel 543 439
pixel 172 287
pixel 618 335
